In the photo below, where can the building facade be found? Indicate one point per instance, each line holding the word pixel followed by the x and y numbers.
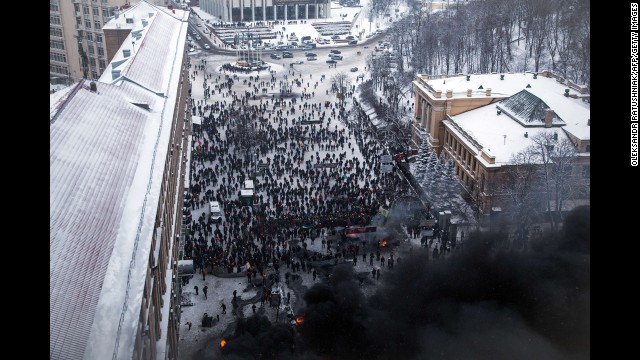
pixel 481 121
pixel 76 43
pixel 118 162
pixel 266 10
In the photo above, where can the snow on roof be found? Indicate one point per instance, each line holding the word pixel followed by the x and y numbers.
pixel 107 159
pixel 152 37
pixel 498 135
pixel 58 99
pixel 511 84
pixel 574 112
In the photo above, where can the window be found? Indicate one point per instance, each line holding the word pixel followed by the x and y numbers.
pixel 102 64
pixel 53 6
pixel 57 57
pixel 91 51
pixel 85 9
pixel 54 19
pixel 588 148
pixel 54 31
pixel 96 11
pixel 98 24
pixel 87 24
pixel 89 36
pixel 99 38
pixel 76 7
pixel 58 69
pixel 56 44
pixel 100 51
pixel 92 61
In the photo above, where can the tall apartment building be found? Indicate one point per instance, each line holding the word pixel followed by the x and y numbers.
pixel 117 167
pixel 76 43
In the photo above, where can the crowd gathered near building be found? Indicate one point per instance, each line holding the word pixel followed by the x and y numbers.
pixel 313 170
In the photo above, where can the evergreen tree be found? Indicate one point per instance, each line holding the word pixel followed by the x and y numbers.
pixel 421 162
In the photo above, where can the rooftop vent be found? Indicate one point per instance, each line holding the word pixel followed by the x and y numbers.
pixel 566 92
pixel 468 77
pixel 150 15
pixel 115 74
pixel 480 87
pixel 526 134
pixel 142 105
pixel 145 23
pixel 501 76
pixel 129 20
pixel 535 75
pixel 126 52
pixel 487 92
pixel 528 86
pixel 93 86
pixel 499 112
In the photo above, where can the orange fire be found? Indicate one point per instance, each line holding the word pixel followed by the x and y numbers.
pixel 299 320
pixel 223 342
pixel 383 243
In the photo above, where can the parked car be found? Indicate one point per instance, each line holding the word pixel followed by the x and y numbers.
pixel 310 54
pixel 275 56
pixel 334 51
pixel 353 42
pixel 335 37
pixel 286 54
pixel 207 46
pixel 354 69
pixel 299 62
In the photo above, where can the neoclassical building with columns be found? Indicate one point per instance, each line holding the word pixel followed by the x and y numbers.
pixel 266 10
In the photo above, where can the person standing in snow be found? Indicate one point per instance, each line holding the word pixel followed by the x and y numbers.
pixel 204 291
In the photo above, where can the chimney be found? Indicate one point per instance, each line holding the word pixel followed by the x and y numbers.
pixel 93 86
pixel 546 73
pixel 548 118
pixel 442 76
pixel 583 89
pixel 487 92
pixel 449 93
pixel 469 91
pixel 438 94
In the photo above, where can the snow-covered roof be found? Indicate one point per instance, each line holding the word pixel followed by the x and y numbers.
pixel 107 157
pixel 498 135
pixel 479 83
pixel 574 112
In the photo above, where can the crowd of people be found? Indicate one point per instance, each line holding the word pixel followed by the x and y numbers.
pixel 308 178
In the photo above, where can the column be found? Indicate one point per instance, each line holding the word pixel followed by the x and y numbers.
pixel 296 5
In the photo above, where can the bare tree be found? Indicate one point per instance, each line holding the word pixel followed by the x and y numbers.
pixel 520 184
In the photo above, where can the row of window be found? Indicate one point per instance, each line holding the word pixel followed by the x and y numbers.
pixel 55 31
pixel 53 6
pixel 54 19
pixel 58 69
pixel 57 57
pixel 465 157
pixel 56 44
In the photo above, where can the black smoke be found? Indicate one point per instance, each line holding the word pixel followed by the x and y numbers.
pixel 256 338
pixel 479 303
pixel 483 302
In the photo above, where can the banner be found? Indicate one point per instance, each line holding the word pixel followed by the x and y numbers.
pixel 360 230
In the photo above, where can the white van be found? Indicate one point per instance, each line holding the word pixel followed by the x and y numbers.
pixel 335 57
pixel 216 212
